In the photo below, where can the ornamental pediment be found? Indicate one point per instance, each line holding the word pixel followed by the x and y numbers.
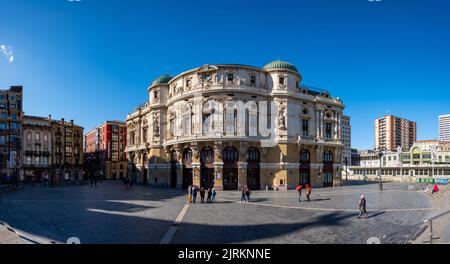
pixel 207 68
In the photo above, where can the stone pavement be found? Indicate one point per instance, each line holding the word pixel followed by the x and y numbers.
pixel 330 217
pixel 7 235
pixel 111 214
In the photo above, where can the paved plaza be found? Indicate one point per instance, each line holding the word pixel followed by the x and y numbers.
pixel 111 214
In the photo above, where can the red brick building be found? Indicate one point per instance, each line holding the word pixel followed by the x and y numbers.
pixel 104 149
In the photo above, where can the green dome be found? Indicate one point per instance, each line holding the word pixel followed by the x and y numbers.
pixel 165 79
pixel 280 65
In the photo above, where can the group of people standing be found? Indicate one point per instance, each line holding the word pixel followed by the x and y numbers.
pixel 193 191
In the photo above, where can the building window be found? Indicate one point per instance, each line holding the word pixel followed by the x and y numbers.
pixel 206 124
pixel 186 122
pixel 305 127
pixel 28 161
pixel 281 80
pixel 253 122
pixel 253 80
pixel 230 77
pixel 230 122
pixel 328 157
pixel 188 83
pixel 327 130
pixel 37 136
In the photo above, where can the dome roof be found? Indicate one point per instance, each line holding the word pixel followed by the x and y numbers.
pixel 280 65
pixel 165 79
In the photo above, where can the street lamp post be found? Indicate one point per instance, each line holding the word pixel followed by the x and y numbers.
pixel 380 154
pixel 433 159
pixel 346 168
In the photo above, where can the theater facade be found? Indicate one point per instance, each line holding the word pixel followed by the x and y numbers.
pixel 229 125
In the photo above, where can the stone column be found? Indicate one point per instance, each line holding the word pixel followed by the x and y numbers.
pixel 336 124
pixel 218 166
pixel 196 173
pixel 218 178
pixel 242 164
pixel 242 174
pixel 317 123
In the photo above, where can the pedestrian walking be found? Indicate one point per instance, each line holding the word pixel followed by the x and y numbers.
pixel 243 197
pixel 208 199
pixel 362 206
pixel 189 198
pixel 131 181
pixel 202 195
pixel 308 192
pixel 213 197
pixel 299 190
pixel 194 194
pixel 247 194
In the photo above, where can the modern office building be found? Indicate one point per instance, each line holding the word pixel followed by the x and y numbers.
pixel 11 113
pixel 105 146
pixel 207 126
pixel 444 128
pixel 392 132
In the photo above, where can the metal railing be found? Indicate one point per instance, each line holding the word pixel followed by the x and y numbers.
pixel 430 224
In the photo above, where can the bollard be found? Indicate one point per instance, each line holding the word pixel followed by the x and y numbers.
pixel 267 188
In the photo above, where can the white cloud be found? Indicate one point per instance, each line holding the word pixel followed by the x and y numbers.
pixel 7 52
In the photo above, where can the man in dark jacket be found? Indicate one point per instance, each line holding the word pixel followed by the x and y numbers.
pixel 362 206
pixel 194 194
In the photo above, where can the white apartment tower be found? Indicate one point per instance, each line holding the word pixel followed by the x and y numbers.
pixel 444 128
pixel 346 140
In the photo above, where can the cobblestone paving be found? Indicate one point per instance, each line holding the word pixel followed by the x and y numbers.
pixel 110 214
pixel 106 214
pixel 330 217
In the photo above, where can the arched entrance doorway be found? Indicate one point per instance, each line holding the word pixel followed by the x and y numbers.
pixel 253 171
pixel 305 169
pixel 173 169
pixel 207 168
pixel 187 168
pixel 230 168
pixel 328 169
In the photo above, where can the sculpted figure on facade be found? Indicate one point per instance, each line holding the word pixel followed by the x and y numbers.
pixel 156 125
pixel 282 119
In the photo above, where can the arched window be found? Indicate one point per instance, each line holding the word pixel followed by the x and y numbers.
pixel 230 154
pixel 207 155
pixel 187 121
pixel 230 119
pixel 328 157
pixel 187 156
pixel 304 156
pixel 253 154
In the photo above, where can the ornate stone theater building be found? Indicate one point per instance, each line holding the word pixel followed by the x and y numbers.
pixel 230 125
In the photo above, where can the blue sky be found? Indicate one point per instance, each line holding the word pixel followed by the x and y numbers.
pixel 92 61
